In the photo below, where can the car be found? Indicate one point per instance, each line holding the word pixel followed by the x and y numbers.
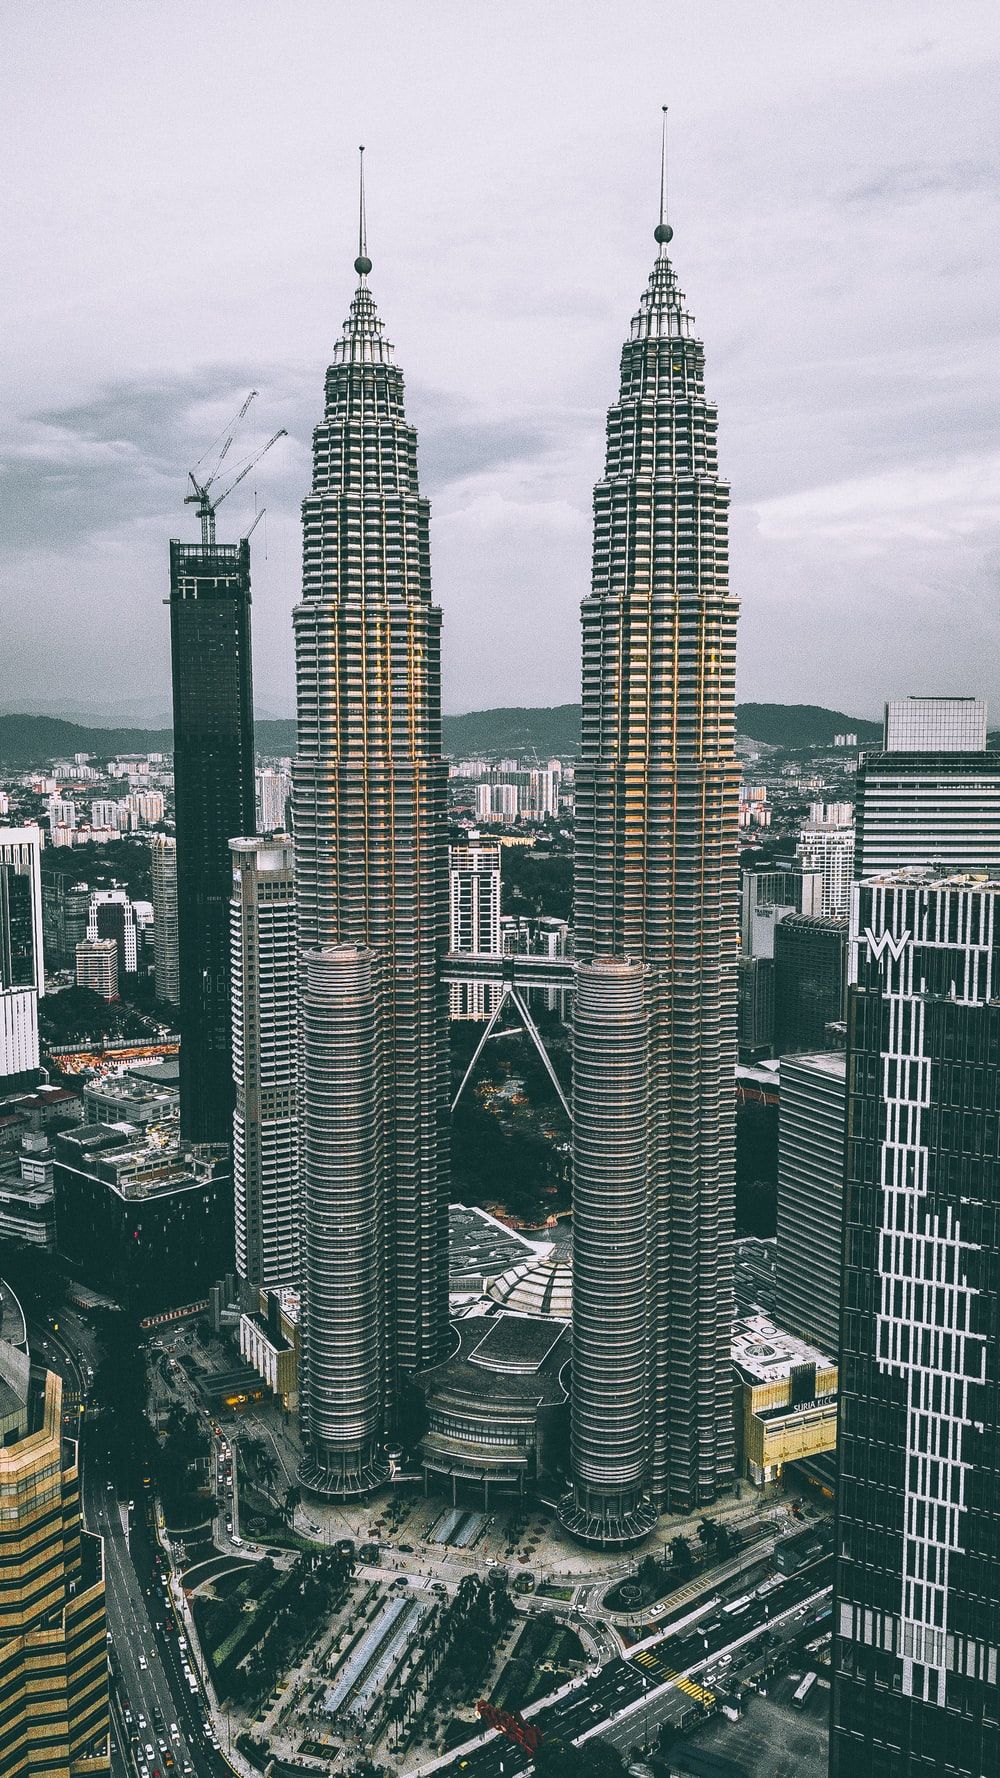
pixel 182 1642
pixel 143 1770
pixel 143 1724
pixel 150 1750
pixel 175 1733
pixel 143 1663
pixel 229 1524
pixel 407 1549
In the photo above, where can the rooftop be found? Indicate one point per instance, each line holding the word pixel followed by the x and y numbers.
pixel 764 1352
pixel 542 1285
pixel 481 1247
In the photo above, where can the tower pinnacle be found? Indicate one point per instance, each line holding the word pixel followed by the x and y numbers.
pixel 663 233
pixel 362 265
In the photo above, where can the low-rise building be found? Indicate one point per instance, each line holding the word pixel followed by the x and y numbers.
pixel 785 1398
pixel 142 1215
pixel 269 1341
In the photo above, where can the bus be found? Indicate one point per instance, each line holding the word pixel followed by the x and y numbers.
pixel 803 1691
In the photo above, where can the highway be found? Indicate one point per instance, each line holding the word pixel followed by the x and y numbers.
pixel 668 1678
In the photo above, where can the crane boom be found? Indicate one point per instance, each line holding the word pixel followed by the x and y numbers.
pixel 200 497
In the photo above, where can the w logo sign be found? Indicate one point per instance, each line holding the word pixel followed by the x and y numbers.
pixel 885 942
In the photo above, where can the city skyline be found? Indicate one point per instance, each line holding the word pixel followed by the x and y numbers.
pixel 881 504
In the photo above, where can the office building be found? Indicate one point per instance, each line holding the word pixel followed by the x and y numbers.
pixel 22 972
pixel 124 1098
pixel 656 791
pixel 264 968
pixel 112 915
pixel 141 1216
pixel 371 863
pixel 829 849
pixel 65 906
pixel 767 897
pixel 97 966
pixel 917 1575
pixel 935 725
pixel 27 1195
pixel 811 1197
pixel 273 791
pixel 931 797
pixel 54 1710
pixel 810 974
pixel 756 1007
pixel 166 952
pixel 214 803
pixel 474 892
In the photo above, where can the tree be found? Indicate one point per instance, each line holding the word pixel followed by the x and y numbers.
pixel 680 1554
pixel 293 1498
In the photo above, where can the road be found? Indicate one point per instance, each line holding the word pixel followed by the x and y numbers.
pixel 669 1678
pixel 149 1687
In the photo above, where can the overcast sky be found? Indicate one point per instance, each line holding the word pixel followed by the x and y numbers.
pixel 178 196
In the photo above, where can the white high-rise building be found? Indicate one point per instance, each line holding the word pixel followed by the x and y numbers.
pixel 273 791
pixel 146 806
pixel 22 974
pixel 930 799
pixel 111 915
pixel 264 975
pixel 935 725
pixel 104 812
pixel 62 812
pixel 829 849
pixel 97 966
pixel 166 955
pixel 474 889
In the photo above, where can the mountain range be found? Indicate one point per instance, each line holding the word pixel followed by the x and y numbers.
pixel 542 733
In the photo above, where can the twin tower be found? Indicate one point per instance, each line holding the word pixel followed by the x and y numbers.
pixel 654 1025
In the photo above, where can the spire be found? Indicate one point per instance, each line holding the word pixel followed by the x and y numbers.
pixel 663 233
pixel 363 340
pixel 362 265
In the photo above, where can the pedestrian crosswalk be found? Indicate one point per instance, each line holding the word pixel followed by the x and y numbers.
pixel 655 1668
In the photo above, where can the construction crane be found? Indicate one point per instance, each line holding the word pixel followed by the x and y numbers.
pixel 207 507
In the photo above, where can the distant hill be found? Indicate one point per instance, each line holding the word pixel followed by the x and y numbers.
pixel 551 732
pixel 801 725
pixel 548 732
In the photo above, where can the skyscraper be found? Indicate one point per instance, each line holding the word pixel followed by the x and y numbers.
pixel 166 954
pixel 931 797
pixel 917 1578
pixel 214 794
pixel 54 1711
pixel 656 883
pixel 828 847
pixel 22 975
pixel 371 867
pixel 265 1064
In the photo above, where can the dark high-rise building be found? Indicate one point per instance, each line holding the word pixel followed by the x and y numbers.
pixel 810 1198
pixel 917 1581
pixel 371 871
pixel 214 792
pixel 810 972
pixel 656 884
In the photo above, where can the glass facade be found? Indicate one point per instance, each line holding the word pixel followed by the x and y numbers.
pixel 917 1585
pixel 214 792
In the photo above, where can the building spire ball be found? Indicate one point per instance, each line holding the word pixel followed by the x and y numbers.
pixel 663 233
pixel 362 265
